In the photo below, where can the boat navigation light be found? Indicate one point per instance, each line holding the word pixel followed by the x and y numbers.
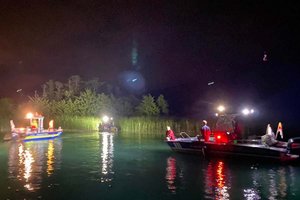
pixel 29 115
pixel 221 108
pixel 105 119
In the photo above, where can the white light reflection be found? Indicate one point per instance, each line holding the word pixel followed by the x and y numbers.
pixel 107 157
pixel 277 188
pixel 253 193
pixel 274 181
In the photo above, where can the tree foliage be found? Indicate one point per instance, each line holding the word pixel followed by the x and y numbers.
pixel 81 98
pixel 148 106
pixel 6 107
pixel 162 104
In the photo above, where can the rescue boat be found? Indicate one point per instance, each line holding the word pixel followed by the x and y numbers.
pixel 225 143
pixel 35 131
pixel 283 151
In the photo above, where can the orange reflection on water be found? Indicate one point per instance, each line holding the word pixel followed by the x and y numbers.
pixel 171 174
pixel 28 161
pixel 215 181
pixel 50 158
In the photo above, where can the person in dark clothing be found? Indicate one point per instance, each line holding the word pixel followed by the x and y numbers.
pixel 205 131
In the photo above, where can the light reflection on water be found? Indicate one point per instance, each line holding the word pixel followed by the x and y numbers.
pixel 27 162
pixel 107 156
pixel 106 166
pixel 221 180
pixel 217 180
pixel 171 174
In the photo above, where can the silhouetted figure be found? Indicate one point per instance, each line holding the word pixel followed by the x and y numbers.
pixel 205 131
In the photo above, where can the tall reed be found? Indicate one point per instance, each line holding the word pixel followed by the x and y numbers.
pixel 140 125
pixel 157 125
pixel 75 123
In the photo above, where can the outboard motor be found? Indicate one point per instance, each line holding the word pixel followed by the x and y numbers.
pixel 293 146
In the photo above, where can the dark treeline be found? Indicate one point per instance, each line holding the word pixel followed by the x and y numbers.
pixel 86 98
pixel 78 104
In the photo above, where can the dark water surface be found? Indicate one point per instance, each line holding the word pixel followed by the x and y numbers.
pixel 105 166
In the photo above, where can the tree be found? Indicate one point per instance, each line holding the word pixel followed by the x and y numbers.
pixel 162 104
pixel 59 90
pixel 87 103
pixel 123 106
pixel 48 90
pixel 74 85
pixel 148 106
pixel 6 108
pixel 93 84
pixel 39 104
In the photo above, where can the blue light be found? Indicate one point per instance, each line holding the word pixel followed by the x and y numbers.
pixel 133 81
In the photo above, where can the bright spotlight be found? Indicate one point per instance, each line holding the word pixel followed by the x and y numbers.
pixel 105 119
pixel 246 111
pixel 29 115
pixel 221 108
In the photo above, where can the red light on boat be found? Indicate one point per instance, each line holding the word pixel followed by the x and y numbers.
pixel 295 145
pixel 219 137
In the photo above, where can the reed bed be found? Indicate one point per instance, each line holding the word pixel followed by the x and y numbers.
pixel 75 123
pixel 157 125
pixel 134 125
pixel 4 124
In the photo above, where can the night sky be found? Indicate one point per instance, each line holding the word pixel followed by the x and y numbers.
pixel 197 53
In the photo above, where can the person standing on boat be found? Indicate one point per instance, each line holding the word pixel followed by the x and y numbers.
pixel 270 132
pixel 205 131
pixel 170 134
pixel 269 138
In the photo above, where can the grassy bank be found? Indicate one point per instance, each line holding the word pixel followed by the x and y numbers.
pixel 77 123
pixel 141 125
pixel 157 125
pixel 4 124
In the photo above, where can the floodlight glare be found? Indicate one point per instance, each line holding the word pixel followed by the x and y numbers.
pixel 246 111
pixel 221 108
pixel 105 119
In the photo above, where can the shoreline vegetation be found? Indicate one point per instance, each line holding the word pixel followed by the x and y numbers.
pixel 78 105
pixel 140 125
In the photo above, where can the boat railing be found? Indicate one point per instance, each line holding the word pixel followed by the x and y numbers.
pixel 184 135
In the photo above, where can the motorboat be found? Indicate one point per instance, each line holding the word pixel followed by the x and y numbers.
pixel 35 130
pixel 107 125
pixel 220 146
pixel 226 143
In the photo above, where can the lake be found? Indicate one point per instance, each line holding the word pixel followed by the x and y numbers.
pixel 126 166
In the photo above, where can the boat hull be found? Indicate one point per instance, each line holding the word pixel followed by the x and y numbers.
pixel 38 136
pixel 43 136
pixel 249 150
pixel 254 150
pixel 193 146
